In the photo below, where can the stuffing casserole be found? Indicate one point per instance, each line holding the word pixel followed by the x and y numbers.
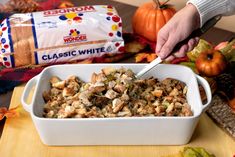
pixel 115 93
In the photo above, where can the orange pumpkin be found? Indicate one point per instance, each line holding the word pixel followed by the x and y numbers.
pixel 232 103
pixel 150 18
pixel 211 63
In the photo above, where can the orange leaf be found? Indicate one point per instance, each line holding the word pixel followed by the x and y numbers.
pixel 3 110
pixel 140 57
pixel 1 116
pixel 13 112
pixel 66 4
pixel 151 57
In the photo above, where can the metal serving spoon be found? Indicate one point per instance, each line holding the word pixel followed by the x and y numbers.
pixel 197 33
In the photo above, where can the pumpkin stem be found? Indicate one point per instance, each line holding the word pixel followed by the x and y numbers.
pixel 157 3
pixel 165 2
pixel 209 56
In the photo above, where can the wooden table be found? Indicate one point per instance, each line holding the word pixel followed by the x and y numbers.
pixel 214 35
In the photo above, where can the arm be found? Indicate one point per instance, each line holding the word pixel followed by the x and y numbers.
pixel 185 21
pixel 210 8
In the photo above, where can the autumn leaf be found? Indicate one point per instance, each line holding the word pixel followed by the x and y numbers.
pixel 65 4
pixel 13 112
pixel 145 56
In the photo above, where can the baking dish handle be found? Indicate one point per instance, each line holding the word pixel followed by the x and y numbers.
pixel 27 89
pixel 207 89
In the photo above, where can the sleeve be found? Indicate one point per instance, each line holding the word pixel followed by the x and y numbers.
pixel 210 8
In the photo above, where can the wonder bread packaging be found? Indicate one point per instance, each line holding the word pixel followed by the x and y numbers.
pixel 61 35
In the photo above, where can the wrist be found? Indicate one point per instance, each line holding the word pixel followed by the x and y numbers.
pixel 209 8
pixel 195 15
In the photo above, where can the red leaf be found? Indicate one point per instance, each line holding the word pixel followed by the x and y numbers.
pixel 179 60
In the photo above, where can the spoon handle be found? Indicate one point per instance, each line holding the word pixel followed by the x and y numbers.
pixel 148 67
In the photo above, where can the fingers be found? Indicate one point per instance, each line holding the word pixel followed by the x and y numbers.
pixel 170 58
pixel 160 43
pixel 167 47
pixel 182 51
pixel 192 43
pixel 187 47
pixel 161 40
pixel 197 39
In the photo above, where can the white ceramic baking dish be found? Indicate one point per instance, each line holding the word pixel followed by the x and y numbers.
pixel 115 131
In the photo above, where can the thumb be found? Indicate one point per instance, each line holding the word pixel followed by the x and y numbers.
pixel 167 47
pixel 160 43
pixel 162 37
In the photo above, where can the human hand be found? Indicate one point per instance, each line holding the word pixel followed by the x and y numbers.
pixel 178 28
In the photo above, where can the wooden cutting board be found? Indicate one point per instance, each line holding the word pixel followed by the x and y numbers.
pixel 20 138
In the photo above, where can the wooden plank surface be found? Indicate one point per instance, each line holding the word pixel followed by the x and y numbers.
pixel 20 138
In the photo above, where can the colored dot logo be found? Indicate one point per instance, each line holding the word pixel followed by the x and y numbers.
pixel 5 58
pixel 70 17
pixel 7 64
pixel 4 45
pixel 3 61
pixel 112 17
pixel 110 34
pixel 108 18
pixel 4 28
pixel 116 18
pixel 109 13
pixel 109 8
pixel 114 27
pixel 3 41
pixel 74 32
pixel 121 49
pixel 119 34
pixel 117 44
